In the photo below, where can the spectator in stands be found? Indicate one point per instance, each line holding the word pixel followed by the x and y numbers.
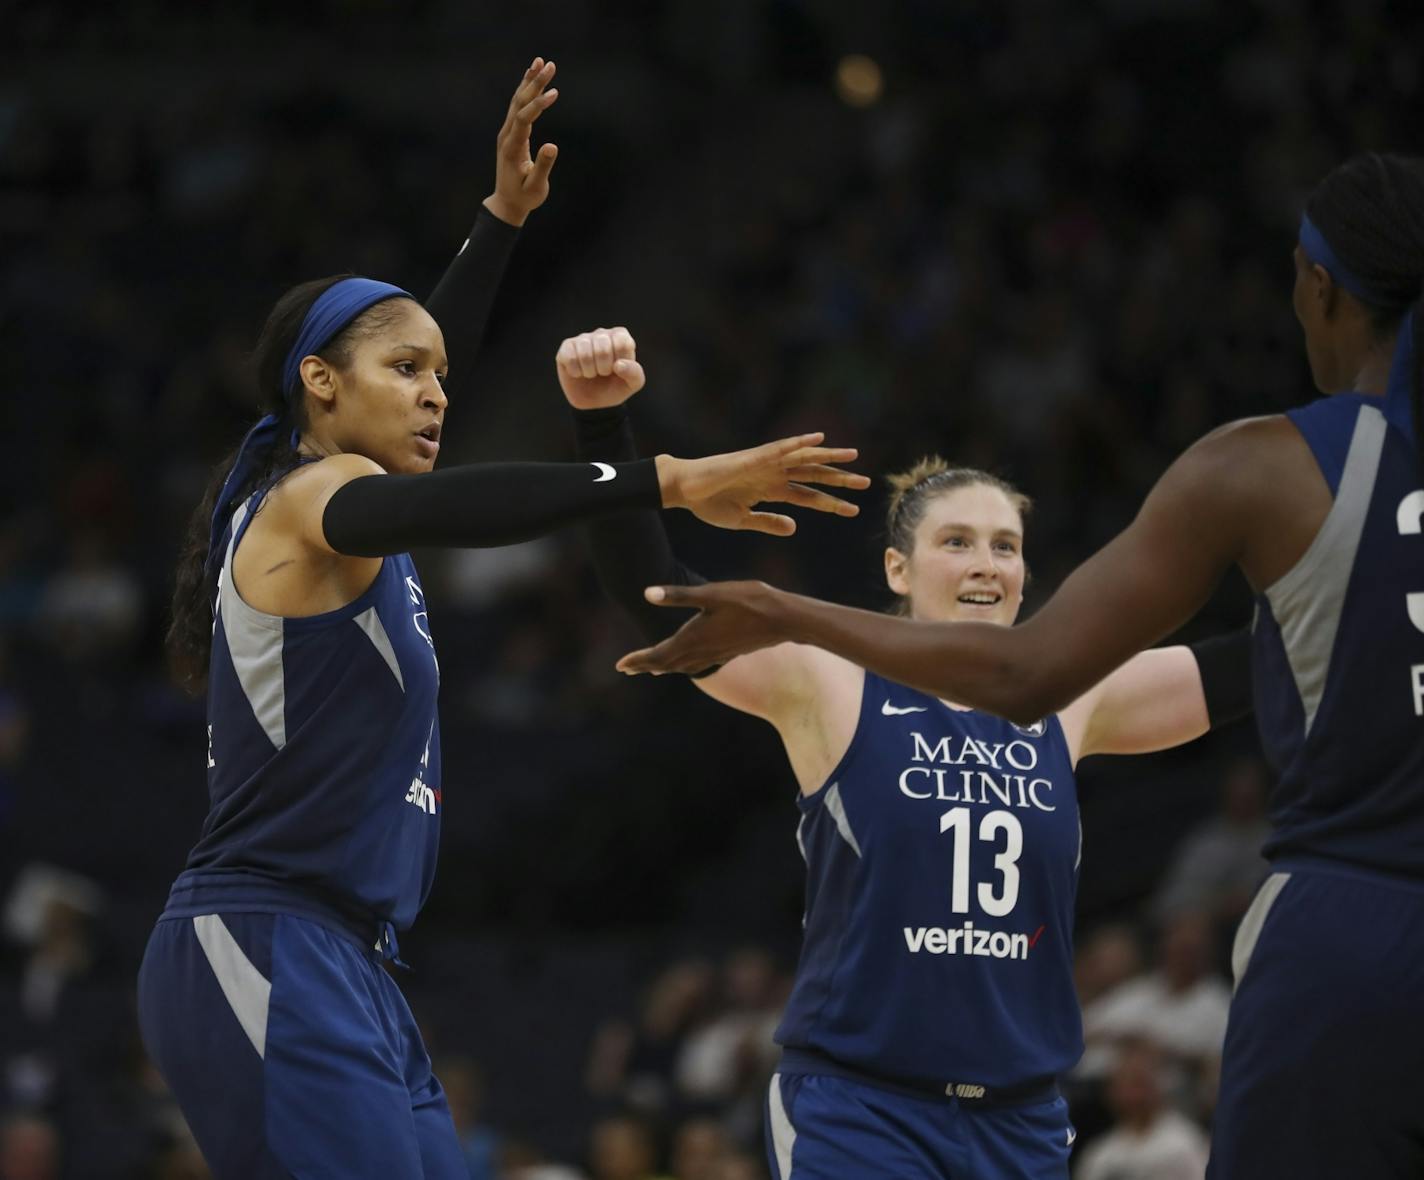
pixel 623 1147
pixel 699 1148
pixel 1149 1141
pixel 1218 865
pixel 1180 1006
pixel 634 1064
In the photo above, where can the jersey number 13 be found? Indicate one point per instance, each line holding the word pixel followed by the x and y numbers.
pixel 994 902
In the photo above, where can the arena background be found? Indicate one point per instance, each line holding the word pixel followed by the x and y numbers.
pixel 1048 238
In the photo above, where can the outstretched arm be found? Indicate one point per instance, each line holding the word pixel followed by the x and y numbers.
pixel 463 297
pixel 1164 697
pixel 1142 586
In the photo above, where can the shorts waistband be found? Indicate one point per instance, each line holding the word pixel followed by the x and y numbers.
pixel 233 891
pixel 970 1094
pixel 1306 864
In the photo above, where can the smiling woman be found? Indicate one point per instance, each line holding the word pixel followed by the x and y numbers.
pixel 942 844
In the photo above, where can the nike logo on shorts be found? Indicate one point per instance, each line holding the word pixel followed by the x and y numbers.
pixel 889 710
pixel 605 473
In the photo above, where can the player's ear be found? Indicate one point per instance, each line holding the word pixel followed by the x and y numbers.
pixel 319 378
pixel 895 563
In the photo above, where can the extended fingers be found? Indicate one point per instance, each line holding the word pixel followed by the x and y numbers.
pixel 539 74
pixel 830 476
pixel 768 522
pixel 532 109
pixel 805 456
pixel 804 497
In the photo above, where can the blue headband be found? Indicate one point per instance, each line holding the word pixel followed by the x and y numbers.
pixel 1318 250
pixel 333 309
pixel 1397 402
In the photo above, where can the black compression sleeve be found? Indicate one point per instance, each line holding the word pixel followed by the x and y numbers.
pixel 630 549
pixel 1224 662
pixel 478 506
pixel 462 298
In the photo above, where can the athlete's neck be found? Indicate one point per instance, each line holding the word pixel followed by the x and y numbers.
pixel 1372 377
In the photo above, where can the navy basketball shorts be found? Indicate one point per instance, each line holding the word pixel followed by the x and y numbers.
pixel 1323 1070
pixel 291 1052
pixel 830 1128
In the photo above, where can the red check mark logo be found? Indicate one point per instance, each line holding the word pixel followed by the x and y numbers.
pixel 1033 941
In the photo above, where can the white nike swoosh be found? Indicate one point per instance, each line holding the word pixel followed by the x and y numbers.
pixel 605 473
pixel 889 710
pixel 1072 1135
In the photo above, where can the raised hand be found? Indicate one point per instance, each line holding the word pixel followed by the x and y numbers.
pixel 734 618
pixel 723 490
pixel 521 181
pixel 599 369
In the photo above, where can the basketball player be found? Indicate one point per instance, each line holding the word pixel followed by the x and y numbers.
pixel 934 1003
pixel 1321 508
pixel 262 996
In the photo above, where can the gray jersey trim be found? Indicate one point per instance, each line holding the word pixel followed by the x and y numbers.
pixel 1250 929
pixel 248 993
pixel 783 1134
pixel 836 807
pixel 370 622
pixel 1308 601
pixel 254 641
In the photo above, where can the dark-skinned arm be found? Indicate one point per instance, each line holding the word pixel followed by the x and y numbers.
pixel 1141 587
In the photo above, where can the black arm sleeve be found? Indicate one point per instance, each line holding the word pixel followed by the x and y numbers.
pixel 630 549
pixel 480 505
pixel 462 298
pixel 1225 665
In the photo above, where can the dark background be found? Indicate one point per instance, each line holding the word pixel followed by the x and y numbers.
pixel 1056 244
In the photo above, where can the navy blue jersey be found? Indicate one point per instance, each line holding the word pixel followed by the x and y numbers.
pixel 942 858
pixel 323 755
pixel 1339 653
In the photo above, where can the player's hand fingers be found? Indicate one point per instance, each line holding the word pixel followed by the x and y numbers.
pixel 587 365
pixel 567 358
pixel 807 456
pixel 773 523
pixel 775 453
pixel 624 346
pixel 631 374
pixel 536 77
pixel 531 110
pixel 645 660
pixel 603 353
pixel 688 596
pixel 830 476
pixel 537 173
pixel 804 497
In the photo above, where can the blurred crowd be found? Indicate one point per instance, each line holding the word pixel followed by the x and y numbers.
pixel 1052 240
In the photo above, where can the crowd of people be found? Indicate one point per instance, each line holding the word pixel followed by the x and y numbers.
pixel 1036 250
